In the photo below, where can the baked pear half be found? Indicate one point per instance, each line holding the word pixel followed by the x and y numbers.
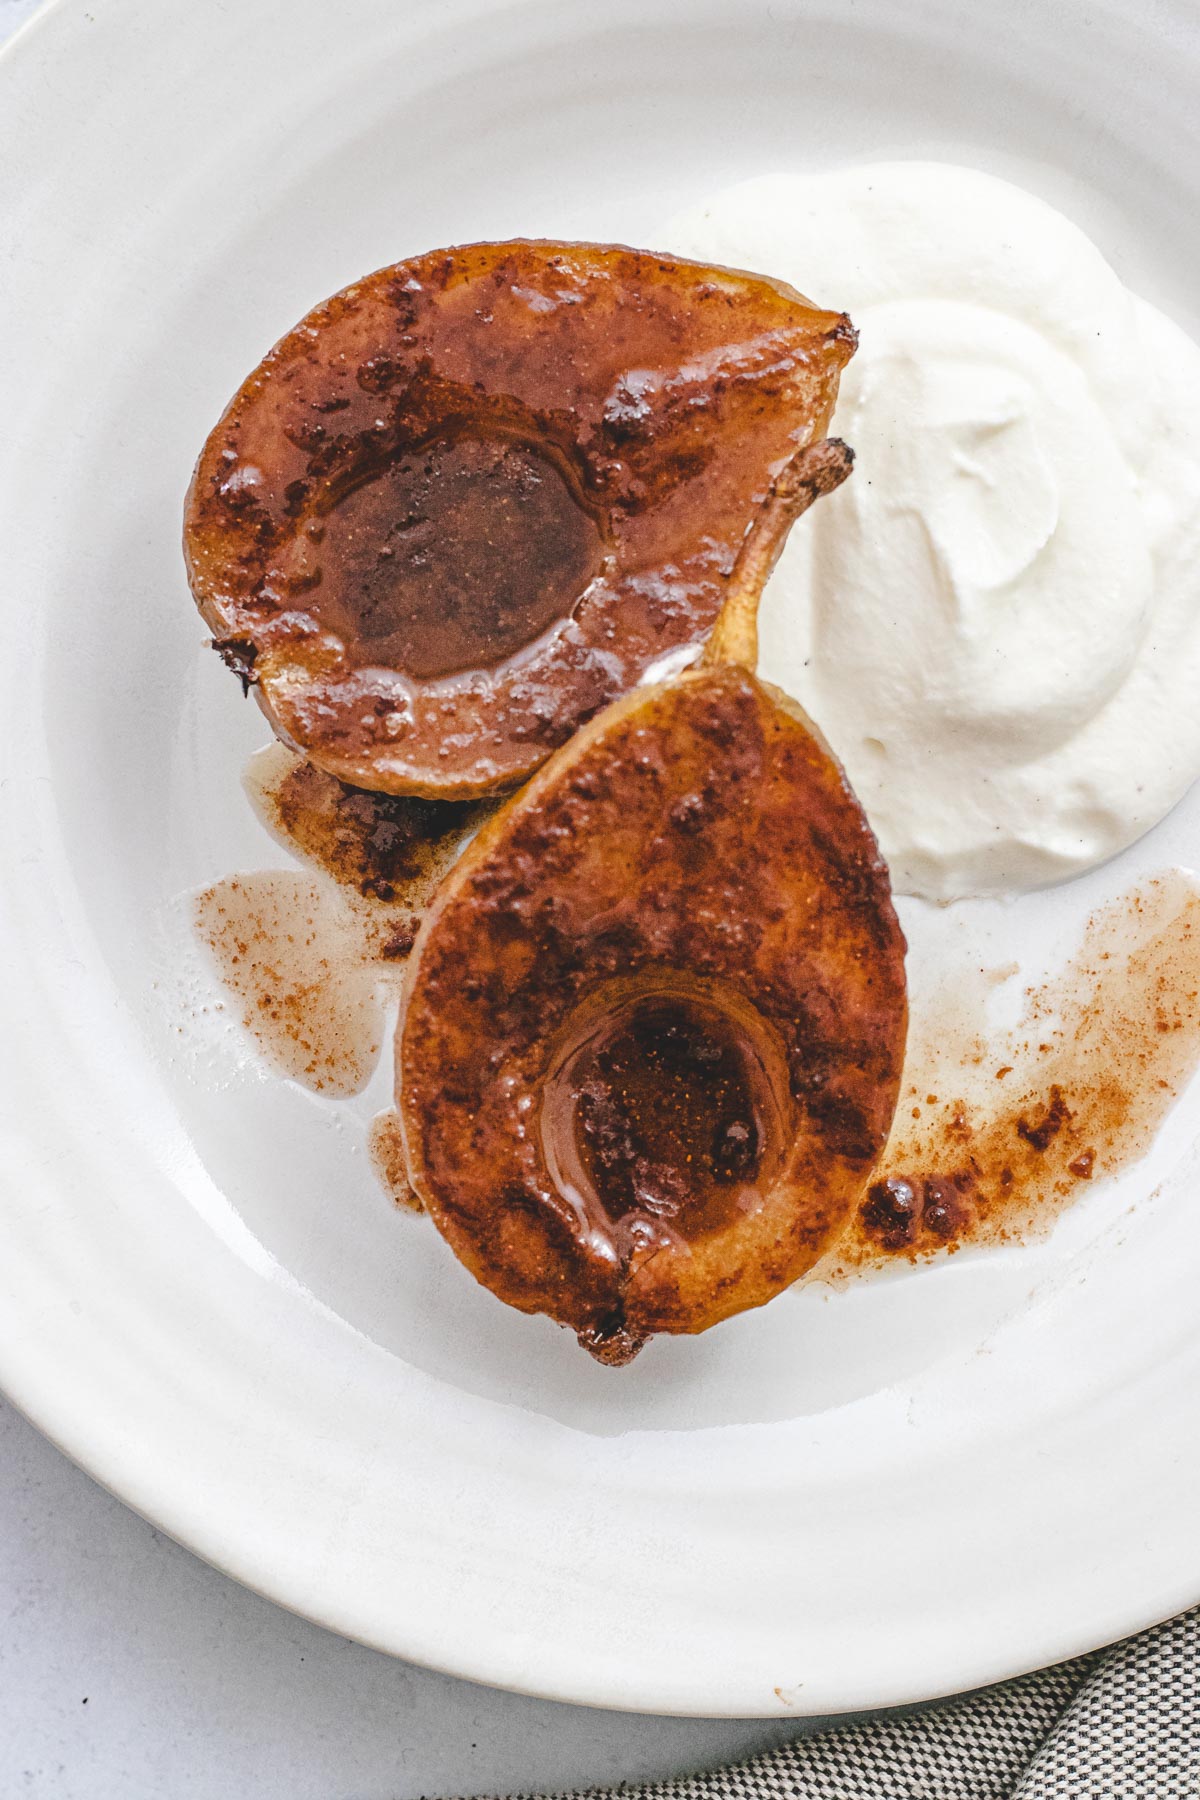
pixel 476 496
pixel 654 1021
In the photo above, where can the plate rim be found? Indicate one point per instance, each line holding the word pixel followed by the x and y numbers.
pixel 54 33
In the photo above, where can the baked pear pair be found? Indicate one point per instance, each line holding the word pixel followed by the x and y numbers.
pixel 450 530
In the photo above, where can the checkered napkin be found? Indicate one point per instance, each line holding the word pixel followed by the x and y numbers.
pixel 1123 1724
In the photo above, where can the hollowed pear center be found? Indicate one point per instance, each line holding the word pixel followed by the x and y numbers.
pixel 665 1105
pixel 454 556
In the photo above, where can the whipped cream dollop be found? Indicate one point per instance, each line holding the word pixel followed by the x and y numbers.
pixel 996 621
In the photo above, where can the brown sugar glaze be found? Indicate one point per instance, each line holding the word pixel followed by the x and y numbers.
pixel 998 1130
pixel 475 496
pixel 387 852
pixel 311 961
pixel 455 557
pixel 665 1110
pixel 693 858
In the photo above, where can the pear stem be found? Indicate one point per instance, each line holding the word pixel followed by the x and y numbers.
pixel 811 472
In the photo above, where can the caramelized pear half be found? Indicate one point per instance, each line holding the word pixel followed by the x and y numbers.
pixel 473 498
pixel 655 1019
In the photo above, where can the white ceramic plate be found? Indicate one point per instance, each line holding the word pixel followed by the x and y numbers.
pixel 850 1499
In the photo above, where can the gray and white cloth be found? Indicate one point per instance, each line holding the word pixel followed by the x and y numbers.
pixel 1122 1724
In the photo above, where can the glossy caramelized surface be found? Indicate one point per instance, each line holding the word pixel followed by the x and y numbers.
pixel 665 1108
pixel 472 498
pixel 655 1021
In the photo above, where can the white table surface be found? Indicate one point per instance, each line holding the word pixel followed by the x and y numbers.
pixel 131 1671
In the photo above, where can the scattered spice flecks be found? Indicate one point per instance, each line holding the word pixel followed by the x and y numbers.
pixel 386 1147
pixel 997 1131
pixel 291 956
pixel 389 851
pixel 310 960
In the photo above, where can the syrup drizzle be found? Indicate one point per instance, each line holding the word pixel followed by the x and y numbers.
pixel 311 960
pixel 998 1130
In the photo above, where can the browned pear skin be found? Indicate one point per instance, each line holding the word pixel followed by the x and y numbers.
pixel 692 876
pixel 472 498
